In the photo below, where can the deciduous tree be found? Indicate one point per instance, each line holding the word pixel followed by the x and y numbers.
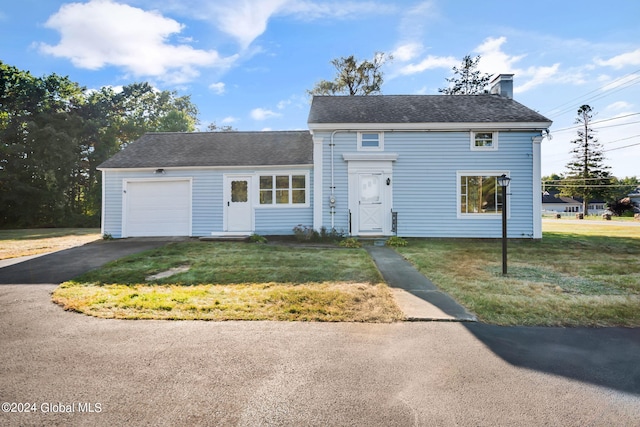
pixel 354 77
pixel 53 134
pixel 467 79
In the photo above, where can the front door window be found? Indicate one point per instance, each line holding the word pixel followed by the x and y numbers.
pixel 370 203
pixel 239 191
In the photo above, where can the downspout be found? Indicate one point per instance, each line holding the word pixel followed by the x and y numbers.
pixel 537 195
pixel 332 206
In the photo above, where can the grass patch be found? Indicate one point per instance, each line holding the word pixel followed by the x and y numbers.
pixel 333 302
pixel 17 243
pixel 235 281
pixel 579 274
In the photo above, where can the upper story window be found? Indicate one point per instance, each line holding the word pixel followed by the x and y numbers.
pixel 484 141
pixel 373 141
pixel 283 189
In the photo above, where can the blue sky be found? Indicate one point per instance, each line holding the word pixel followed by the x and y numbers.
pixel 248 63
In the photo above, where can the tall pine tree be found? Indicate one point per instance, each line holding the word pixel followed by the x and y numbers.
pixel 586 171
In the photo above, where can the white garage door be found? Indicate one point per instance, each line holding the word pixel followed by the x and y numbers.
pixel 157 208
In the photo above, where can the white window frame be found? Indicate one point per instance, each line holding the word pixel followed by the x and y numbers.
pixel 494 141
pixel 379 147
pixel 479 215
pixel 289 205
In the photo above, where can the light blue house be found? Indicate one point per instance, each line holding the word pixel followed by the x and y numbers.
pixel 411 165
pixel 209 183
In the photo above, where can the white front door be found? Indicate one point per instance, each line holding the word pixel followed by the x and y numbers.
pixel 238 204
pixel 370 203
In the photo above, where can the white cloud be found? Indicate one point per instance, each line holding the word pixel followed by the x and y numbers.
pixel 622 60
pixel 619 106
pixel 430 62
pixel 229 119
pixel 246 20
pixel 495 61
pixel 218 88
pixel 101 33
pixel 537 76
pixel 407 52
pixel 263 114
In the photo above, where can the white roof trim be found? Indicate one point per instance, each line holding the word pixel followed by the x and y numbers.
pixel 467 126
pixel 370 156
pixel 187 168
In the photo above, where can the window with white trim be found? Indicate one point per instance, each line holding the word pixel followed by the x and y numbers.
pixel 479 194
pixel 484 140
pixel 283 189
pixel 373 141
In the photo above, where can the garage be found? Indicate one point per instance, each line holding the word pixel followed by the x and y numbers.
pixel 157 208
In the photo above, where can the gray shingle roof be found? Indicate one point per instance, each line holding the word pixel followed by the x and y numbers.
pixel 554 197
pixel 160 150
pixel 483 108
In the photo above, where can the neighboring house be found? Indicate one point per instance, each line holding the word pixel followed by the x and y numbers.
pixel 412 165
pixel 552 201
pixel 597 207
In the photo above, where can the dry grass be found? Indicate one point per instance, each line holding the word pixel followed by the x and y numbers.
pixel 17 243
pixel 324 302
pixel 235 281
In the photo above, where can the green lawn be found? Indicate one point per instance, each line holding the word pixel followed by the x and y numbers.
pixel 579 274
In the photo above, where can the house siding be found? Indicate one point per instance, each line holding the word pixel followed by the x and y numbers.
pixel 425 193
pixel 207 202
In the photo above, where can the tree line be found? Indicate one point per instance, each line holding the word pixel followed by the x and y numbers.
pixel 53 134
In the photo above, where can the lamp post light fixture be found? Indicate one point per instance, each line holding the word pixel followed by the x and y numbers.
pixel 503 181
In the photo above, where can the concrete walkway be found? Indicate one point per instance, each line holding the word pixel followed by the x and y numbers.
pixel 417 296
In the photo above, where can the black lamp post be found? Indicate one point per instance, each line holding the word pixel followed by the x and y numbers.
pixel 503 181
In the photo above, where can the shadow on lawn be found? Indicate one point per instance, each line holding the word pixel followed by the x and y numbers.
pixel 608 357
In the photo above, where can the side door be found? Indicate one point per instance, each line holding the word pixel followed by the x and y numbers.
pixel 238 207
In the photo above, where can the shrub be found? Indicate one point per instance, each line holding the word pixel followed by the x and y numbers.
pixel 621 207
pixel 350 242
pixel 396 241
pixel 305 233
pixel 256 238
pixel 331 235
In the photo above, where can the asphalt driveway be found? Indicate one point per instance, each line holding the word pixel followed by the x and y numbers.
pixel 61 266
pixel 65 365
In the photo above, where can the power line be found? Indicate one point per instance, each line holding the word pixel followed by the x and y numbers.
pixel 600 121
pixel 622 139
pixel 620 148
pixel 620 124
pixel 592 186
pixel 561 111
pixel 574 179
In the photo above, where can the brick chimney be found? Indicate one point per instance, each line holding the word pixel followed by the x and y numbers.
pixel 503 85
